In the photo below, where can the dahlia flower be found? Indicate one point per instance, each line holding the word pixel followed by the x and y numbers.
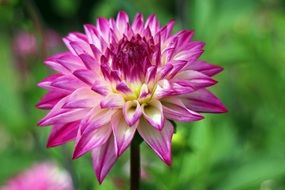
pixel 43 176
pixel 119 78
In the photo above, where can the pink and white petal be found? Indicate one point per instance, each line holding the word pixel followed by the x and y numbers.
pixel 64 116
pixel 153 113
pixel 100 87
pixel 138 23
pixel 97 117
pixel 123 87
pixel 89 62
pixel 144 92
pixel 77 43
pixel 82 98
pixel 92 139
pixel 196 79
pixel 53 63
pixel 81 48
pixel 51 99
pixel 165 89
pixel 68 82
pixel 122 22
pixel 56 109
pixel 177 67
pixel 150 74
pixel 204 67
pixel 112 101
pixel 86 76
pixel 70 61
pixel 165 32
pixel 203 101
pixel 184 37
pixel 104 157
pixel 153 24
pixel 123 133
pixel 103 28
pixel 61 134
pixel 132 112
pixel 46 83
pixel 159 141
pixel 164 71
pixel 94 39
pixel 174 109
pixel 189 56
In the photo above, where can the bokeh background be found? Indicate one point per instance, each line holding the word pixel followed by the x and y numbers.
pixel 240 150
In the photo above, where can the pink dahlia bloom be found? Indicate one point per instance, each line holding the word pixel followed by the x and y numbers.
pixel 44 176
pixel 119 78
pixel 25 44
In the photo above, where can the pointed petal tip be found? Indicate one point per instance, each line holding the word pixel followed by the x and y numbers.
pixel 100 181
pixel 42 123
pixel 40 106
pixel 223 109
pixel 75 155
pixel 99 178
pixel 51 144
pixel 168 160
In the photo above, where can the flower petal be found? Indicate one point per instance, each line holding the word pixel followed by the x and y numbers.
pixel 64 63
pixel 165 89
pixel 77 43
pixel 104 158
pixel 46 83
pixel 86 76
pixel 67 82
pixel 138 22
pixel 122 21
pixel 203 101
pixel 61 134
pixel 174 109
pixel 153 113
pixel 103 28
pixel 100 87
pixel 112 101
pixel 123 133
pixel 96 118
pixel 89 62
pixel 92 139
pixel 64 116
pixel 51 99
pixel 193 78
pixel 150 74
pixel 153 24
pixel 82 98
pixel 165 32
pixel 132 112
pixel 59 115
pixel 159 141
pixel 123 87
pixel 204 67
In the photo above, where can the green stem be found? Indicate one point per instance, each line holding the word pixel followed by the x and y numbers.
pixel 135 166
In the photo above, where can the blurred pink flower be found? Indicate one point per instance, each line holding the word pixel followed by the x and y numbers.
pixel 44 176
pixel 53 39
pixel 25 43
pixel 121 77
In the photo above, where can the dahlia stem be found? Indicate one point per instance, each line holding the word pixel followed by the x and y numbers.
pixel 135 165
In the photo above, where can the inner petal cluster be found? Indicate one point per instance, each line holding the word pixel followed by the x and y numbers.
pixel 132 57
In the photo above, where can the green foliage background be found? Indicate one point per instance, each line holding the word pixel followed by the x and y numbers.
pixel 240 150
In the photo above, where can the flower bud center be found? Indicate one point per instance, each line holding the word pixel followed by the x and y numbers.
pixel 133 57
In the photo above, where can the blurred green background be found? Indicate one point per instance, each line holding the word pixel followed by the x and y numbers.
pixel 240 150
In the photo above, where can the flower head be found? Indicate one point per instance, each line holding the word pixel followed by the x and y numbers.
pixel 119 78
pixel 44 176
